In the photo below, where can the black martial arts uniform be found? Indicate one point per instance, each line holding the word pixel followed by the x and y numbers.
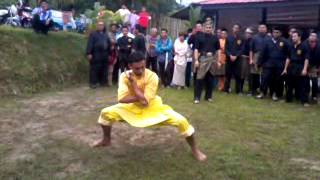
pixel 124 48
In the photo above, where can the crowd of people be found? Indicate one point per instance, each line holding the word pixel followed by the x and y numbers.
pixel 271 64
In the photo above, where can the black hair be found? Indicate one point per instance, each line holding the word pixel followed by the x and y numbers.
pixel 125 27
pixel 189 30
pixel 224 29
pixel 136 56
pixel 199 22
pixel 138 27
pixel 298 33
pixel 164 29
pixel 276 28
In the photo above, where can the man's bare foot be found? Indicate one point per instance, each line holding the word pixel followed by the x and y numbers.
pixel 200 156
pixel 101 143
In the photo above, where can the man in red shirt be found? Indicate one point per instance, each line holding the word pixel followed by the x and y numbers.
pixel 144 18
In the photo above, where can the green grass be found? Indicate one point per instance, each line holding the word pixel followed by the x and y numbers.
pixel 31 63
pixel 244 139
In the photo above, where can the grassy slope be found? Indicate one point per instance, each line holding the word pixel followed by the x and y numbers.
pixel 244 139
pixel 31 63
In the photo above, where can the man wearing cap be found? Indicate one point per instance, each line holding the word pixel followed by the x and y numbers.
pixel 206 51
pixel 244 58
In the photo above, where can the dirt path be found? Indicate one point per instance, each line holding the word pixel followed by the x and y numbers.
pixel 70 114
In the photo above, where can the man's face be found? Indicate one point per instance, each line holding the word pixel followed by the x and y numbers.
pixel 292 30
pixel 138 68
pixel 263 29
pixel 100 26
pixel 218 33
pixel 208 29
pixel 125 31
pixel 164 34
pixel 113 28
pixel 198 27
pixel 313 38
pixel 295 37
pixel 224 34
pixel 154 32
pixel 236 29
pixel 249 35
pixel 276 34
pixel 44 6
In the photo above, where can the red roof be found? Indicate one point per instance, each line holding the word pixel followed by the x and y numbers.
pixel 235 1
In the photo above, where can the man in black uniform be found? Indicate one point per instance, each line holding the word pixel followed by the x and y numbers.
pixel 272 60
pixel 313 48
pixel 255 51
pixel 124 47
pixel 206 50
pixel 296 68
pixel 234 45
pixel 97 53
pixel 139 42
pixel 245 57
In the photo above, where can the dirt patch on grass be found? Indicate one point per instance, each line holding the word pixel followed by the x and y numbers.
pixel 70 115
pixel 307 164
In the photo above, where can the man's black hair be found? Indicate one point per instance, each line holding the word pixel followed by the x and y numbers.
pixel 136 56
pixel 224 29
pixel 189 30
pixel 276 28
pixel 298 32
pixel 164 29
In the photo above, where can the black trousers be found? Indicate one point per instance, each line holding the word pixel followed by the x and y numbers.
pixel 207 81
pixel 188 74
pixel 166 73
pixel 123 61
pixel 232 70
pixel 299 84
pixel 115 73
pixel 40 26
pixel 152 64
pixel 272 79
pixel 98 73
pixel 254 83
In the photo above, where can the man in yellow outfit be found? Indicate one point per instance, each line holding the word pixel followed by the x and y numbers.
pixel 140 106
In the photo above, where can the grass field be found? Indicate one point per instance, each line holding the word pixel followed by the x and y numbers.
pixel 46 137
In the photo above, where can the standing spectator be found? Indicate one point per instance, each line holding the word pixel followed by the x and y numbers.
pixel 189 60
pixel 124 44
pixel 124 13
pixel 151 50
pixel 206 50
pixel 42 21
pixel 313 47
pixel 297 67
pixel 244 59
pixel 144 18
pixel 133 19
pixel 221 69
pixel 97 52
pixel 164 55
pixel 180 61
pixel 196 33
pixel 255 52
pixel 113 56
pixel 272 60
pixel 233 50
pixel 218 33
pixel 139 42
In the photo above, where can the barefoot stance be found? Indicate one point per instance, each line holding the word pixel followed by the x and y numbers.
pixel 200 156
pixel 101 143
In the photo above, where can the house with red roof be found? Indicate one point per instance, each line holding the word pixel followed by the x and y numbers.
pixel 284 13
